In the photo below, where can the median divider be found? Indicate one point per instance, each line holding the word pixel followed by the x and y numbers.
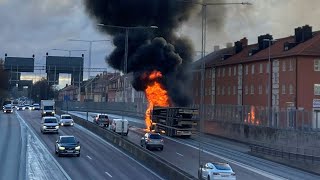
pixel 152 161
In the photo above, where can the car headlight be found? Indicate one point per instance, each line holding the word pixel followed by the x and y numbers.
pixel 62 148
pixel 53 112
pixel 77 148
pixel 44 127
pixel 57 127
pixel 71 123
pixel 61 124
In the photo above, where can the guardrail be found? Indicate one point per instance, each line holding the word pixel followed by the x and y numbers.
pixel 152 161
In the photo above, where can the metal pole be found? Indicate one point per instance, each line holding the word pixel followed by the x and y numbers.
pixel 79 93
pixel 90 49
pixel 269 82
pixel 125 71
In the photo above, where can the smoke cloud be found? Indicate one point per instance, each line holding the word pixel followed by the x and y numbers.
pixel 149 49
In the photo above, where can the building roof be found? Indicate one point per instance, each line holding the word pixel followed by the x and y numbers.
pixel 213 57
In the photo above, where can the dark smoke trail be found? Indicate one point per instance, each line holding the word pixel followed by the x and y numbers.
pixel 149 50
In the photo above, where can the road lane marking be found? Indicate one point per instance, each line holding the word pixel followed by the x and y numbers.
pixel 89 157
pixel 42 144
pixel 179 154
pixel 108 174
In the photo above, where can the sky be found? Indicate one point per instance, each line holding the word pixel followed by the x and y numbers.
pixel 38 26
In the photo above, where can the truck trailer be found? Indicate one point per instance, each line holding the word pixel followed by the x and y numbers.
pixel 175 121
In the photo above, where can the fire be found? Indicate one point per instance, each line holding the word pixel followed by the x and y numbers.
pixel 252 117
pixel 156 95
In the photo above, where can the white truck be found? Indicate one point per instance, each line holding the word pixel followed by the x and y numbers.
pixel 120 126
pixel 47 108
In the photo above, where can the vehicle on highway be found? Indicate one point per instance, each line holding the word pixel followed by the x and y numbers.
pixel 152 140
pixel 8 108
pixel 47 108
pixel 216 170
pixel 49 124
pixel 67 145
pixel 31 107
pixel 120 126
pixel 66 120
pixel 20 107
pixel 27 106
pixel 102 120
pixel 36 106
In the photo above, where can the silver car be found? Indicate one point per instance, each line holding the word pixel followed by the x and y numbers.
pixel 66 120
pixel 152 140
pixel 216 170
pixel 49 125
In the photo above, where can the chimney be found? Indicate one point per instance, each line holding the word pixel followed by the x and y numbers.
pixel 216 48
pixel 229 45
pixel 244 41
pixel 238 46
pixel 306 33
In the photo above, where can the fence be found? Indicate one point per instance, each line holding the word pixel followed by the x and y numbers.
pixel 292 119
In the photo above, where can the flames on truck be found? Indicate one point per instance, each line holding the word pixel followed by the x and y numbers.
pixel 161 116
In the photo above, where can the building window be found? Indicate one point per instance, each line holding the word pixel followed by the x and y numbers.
pixel 219 72
pixel 209 91
pixel 283 65
pixel 235 71
pixel 218 90
pixel 267 89
pixel 260 89
pixel 283 88
pixel 252 89
pixel 252 69
pixel 222 90
pixel 317 89
pixel 268 69
pixel 261 68
pixel 291 89
pixel 223 72
pixel 229 90
pixel 234 90
pixel 210 73
pixel 290 65
pixel 229 73
pixel 317 65
pixel 247 69
pixel 246 89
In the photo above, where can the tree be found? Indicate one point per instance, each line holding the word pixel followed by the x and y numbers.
pixel 42 90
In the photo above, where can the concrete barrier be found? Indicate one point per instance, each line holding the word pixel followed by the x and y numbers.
pixel 152 161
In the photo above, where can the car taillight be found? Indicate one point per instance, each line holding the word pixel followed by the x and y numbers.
pixel 215 174
pixel 233 174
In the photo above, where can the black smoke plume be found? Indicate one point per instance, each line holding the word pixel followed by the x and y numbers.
pixel 149 49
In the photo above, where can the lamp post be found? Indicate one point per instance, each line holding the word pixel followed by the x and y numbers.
pixel 90 49
pixel 269 81
pixel 204 6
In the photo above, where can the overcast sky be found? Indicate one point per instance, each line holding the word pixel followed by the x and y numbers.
pixel 37 26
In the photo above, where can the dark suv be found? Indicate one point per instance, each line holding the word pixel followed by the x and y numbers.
pixel 67 145
pixel 101 120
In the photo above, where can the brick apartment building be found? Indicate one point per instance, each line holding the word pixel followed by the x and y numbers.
pixel 239 75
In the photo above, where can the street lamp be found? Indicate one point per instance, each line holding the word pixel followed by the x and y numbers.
pixel 269 80
pixel 68 50
pixel 126 28
pixel 90 49
pixel 203 50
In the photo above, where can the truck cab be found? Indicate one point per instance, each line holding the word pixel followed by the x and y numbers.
pixel 47 108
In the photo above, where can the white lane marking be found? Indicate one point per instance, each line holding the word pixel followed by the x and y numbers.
pixel 111 145
pixel 108 174
pixel 250 168
pixel 179 154
pixel 44 147
pixel 89 157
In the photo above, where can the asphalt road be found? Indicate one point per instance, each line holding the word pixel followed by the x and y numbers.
pixel 98 160
pixel 184 153
pixel 12 148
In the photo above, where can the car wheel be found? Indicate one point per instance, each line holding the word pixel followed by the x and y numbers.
pixel 208 178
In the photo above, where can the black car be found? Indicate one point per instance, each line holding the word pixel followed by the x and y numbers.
pixel 67 145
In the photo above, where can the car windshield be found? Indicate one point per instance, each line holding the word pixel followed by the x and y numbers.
pixel 155 136
pixel 50 120
pixel 222 166
pixel 66 117
pixel 48 108
pixel 67 140
pixel 103 116
pixel 7 107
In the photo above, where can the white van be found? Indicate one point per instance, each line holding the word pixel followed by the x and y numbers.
pixel 116 126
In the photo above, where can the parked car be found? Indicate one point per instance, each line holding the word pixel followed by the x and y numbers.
pixel 66 120
pixel 67 145
pixel 49 124
pixel 8 109
pixel 101 120
pixel 152 140
pixel 120 126
pixel 216 170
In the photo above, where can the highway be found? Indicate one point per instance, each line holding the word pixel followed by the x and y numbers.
pixel 98 160
pixel 184 153
pixel 12 148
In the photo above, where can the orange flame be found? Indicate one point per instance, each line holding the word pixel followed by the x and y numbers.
pixel 252 117
pixel 156 95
